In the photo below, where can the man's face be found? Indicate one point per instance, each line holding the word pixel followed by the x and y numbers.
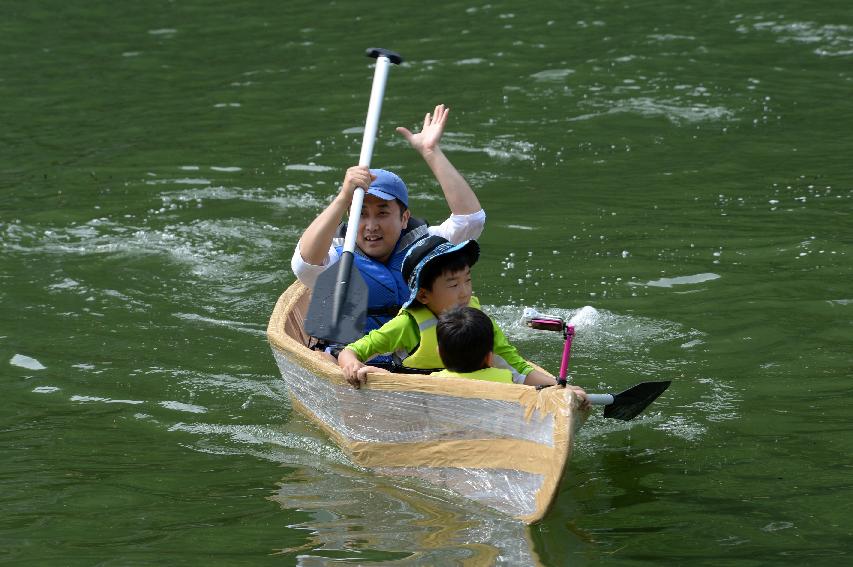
pixel 450 289
pixel 380 227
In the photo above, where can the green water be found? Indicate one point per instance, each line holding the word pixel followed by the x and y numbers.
pixel 682 167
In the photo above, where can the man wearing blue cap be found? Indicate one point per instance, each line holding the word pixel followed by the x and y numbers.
pixel 384 231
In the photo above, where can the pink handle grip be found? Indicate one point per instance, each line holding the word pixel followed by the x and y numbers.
pixel 567 352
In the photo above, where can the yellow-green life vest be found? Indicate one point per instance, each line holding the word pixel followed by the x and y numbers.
pixel 426 355
pixel 488 374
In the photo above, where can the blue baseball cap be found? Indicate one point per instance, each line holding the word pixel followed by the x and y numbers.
pixel 388 186
pixel 427 250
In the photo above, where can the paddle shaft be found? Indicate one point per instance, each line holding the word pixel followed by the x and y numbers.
pixel 371 125
pixel 594 399
pixel 600 399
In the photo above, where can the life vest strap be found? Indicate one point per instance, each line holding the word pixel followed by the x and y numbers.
pixel 390 311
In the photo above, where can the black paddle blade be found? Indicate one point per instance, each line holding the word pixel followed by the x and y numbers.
pixel 347 325
pixel 629 404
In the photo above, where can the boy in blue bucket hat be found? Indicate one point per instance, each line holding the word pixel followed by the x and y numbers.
pixel 386 230
pixel 438 274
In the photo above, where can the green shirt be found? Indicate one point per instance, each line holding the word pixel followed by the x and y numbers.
pixel 401 335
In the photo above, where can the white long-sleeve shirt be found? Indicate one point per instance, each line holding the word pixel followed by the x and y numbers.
pixel 455 229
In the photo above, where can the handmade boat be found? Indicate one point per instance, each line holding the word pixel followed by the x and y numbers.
pixel 505 446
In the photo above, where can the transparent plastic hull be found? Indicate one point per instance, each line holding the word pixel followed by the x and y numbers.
pixel 504 446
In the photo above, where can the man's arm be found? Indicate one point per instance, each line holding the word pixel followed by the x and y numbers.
pixel 459 195
pixel 315 241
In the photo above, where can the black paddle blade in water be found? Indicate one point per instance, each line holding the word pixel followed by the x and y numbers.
pixel 338 319
pixel 629 404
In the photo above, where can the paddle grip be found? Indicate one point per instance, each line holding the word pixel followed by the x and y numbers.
pixel 600 399
pixel 545 324
pixel 377 52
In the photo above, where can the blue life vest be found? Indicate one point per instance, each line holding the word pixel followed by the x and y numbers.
pixel 387 291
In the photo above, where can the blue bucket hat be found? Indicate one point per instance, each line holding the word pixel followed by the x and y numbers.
pixel 427 250
pixel 388 186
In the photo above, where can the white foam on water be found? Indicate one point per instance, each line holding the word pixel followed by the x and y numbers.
pixel 180 406
pixel 291 196
pixel 776 526
pixel 211 248
pixel 28 362
pixel 179 181
pixel 826 40
pixel 680 280
pixel 86 399
pixel 673 109
pixel 313 167
pixel 249 328
pixel 718 401
pixel 552 74
pixel 586 316
pixel 682 426
pixel 45 389
pixel 275 445
pixel 670 37
pixel 67 283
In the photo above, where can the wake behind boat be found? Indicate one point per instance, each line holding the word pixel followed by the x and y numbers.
pixel 505 446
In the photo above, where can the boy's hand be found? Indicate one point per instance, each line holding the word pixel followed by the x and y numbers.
pixel 426 141
pixel 362 373
pixel 581 394
pixel 350 364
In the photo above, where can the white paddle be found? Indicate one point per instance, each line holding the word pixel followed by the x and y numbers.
pixel 339 300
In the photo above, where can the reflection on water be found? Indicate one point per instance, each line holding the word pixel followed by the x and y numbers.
pixel 355 514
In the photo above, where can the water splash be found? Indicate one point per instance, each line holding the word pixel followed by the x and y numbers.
pixel 24 361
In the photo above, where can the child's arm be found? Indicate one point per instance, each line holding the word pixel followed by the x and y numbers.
pixel 532 375
pixel 400 333
pixel 350 365
pixel 507 356
pixel 537 377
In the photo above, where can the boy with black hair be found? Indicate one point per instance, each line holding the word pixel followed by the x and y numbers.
pixel 438 274
pixel 465 343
